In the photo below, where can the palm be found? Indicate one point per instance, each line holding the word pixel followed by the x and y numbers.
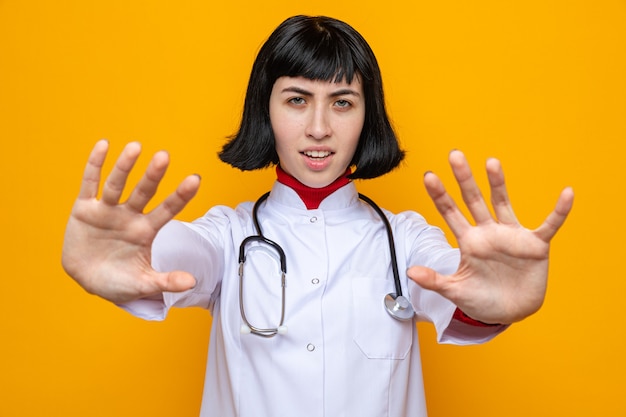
pixel 503 272
pixel 107 246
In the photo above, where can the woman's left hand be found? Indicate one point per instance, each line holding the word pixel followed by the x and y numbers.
pixel 503 272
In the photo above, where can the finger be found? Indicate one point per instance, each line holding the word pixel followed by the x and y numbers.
pixel 445 204
pixel 91 175
pixel 147 186
pixel 149 285
pixel 556 219
pixel 472 196
pixel 426 278
pixel 114 185
pixel 175 202
pixel 499 195
pixel 175 281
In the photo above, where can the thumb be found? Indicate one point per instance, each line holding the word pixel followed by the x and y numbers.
pixel 425 277
pixel 176 281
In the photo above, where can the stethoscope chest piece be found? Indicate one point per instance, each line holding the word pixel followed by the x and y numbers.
pixel 398 307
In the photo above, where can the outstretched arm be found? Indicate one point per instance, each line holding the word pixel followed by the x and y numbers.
pixel 107 246
pixel 503 272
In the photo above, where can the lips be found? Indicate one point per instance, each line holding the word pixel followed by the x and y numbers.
pixel 317 154
pixel 317 159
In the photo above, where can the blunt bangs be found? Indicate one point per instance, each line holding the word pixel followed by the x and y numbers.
pixel 316 52
pixel 317 48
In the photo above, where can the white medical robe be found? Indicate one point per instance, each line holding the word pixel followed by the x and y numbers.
pixel 343 354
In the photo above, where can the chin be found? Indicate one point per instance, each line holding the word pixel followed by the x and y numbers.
pixel 316 184
pixel 317 179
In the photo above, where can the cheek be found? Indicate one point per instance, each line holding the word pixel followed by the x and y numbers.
pixel 355 135
pixel 281 136
pixel 283 141
pixel 286 130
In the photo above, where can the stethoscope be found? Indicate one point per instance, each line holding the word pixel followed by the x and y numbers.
pixel 397 305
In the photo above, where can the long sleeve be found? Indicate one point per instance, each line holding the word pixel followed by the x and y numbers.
pixel 187 247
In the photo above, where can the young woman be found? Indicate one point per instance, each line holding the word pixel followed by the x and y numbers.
pixel 314 291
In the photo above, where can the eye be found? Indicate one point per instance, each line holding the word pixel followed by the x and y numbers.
pixel 343 104
pixel 298 101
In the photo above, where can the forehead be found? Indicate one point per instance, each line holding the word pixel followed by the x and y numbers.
pixel 321 87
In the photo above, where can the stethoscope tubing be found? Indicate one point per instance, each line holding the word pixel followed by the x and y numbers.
pixel 392 246
pixel 395 303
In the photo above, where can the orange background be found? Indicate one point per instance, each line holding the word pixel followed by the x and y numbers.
pixel 539 84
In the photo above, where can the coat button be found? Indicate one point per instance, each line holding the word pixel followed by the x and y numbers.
pixel 313 219
pixel 310 347
pixel 315 281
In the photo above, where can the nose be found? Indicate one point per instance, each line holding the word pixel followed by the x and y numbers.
pixel 318 124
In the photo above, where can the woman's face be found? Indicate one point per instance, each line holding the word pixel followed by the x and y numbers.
pixel 317 125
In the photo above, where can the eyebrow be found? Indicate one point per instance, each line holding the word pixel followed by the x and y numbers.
pixel 341 92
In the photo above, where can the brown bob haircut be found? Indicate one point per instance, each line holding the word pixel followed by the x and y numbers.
pixel 317 48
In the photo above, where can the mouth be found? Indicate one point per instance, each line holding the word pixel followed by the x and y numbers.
pixel 317 155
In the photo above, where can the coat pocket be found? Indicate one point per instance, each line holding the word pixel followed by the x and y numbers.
pixel 376 333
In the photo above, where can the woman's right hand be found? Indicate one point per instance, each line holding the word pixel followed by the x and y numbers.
pixel 107 246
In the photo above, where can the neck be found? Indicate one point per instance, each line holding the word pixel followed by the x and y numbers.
pixel 311 197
